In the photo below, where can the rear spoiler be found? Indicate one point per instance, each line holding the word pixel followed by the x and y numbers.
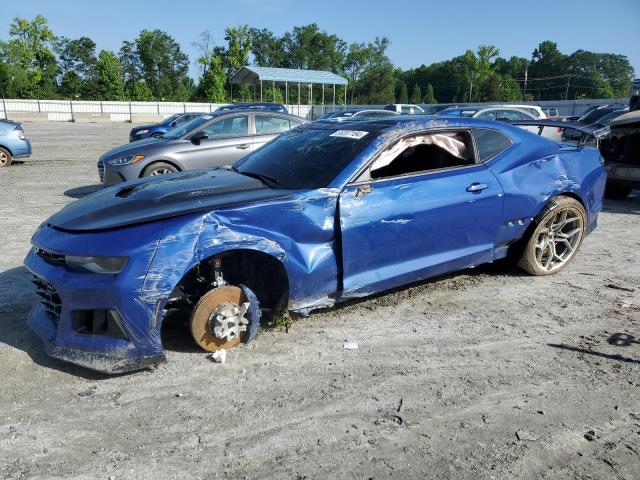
pixel 585 132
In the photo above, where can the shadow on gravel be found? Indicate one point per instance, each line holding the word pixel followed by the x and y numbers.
pixel 80 192
pixel 622 340
pixel 630 204
pixel 617 357
pixel 16 298
pixel 175 333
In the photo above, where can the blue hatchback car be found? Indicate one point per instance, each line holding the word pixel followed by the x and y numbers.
pixel 156 130
pixel 323 213
pixel 13 143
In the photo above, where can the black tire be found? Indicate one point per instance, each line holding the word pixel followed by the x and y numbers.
pixel 547 237
pixel 617 190
pixel 158 168
pixel 5 157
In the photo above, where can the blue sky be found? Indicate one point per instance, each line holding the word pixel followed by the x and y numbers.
pixel 420 31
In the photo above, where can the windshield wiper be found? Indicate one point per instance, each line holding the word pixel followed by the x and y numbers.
pixel 266 179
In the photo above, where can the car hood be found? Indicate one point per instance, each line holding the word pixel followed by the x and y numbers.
pixel 155 198
pixel 133 148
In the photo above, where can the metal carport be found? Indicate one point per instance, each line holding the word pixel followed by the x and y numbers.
pixel 278 76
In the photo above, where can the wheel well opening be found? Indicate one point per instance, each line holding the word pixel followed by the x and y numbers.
pixel 516 249
pixel 575 197
pixel 262 273
pixel 7 149
pixel 160 161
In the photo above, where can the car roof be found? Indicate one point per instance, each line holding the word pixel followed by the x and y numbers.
pixel 408 123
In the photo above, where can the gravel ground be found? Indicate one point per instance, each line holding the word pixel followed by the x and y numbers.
pixel 481 374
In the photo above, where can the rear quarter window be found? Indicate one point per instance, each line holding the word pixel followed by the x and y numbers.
pixel 490 143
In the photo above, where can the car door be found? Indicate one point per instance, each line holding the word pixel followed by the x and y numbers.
pixel 401 228
pixel 268 127
pixel 228 141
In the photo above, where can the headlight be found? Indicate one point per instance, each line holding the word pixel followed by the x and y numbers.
pixel 108 265
pixel 141 132
pixel 126 160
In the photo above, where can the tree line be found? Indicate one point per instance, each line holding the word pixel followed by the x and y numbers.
pixel 35 63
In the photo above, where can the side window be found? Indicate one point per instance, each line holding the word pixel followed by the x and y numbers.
pixel 228 127
pixel 490 115
pixel 423 153
pixel 182 119
pixel 511 115
pixel 405 109
pixel 490 143
pixel 269 124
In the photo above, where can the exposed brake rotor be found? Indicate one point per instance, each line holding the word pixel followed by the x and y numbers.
pixel 223 309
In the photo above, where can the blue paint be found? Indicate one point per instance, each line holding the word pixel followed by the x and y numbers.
pixel 333 243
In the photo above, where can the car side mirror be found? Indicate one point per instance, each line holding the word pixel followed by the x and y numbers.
pixel 198 136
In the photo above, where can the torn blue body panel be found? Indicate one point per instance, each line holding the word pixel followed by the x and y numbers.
pixel 348 237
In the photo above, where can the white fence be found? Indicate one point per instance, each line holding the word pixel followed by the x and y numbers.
pixel 68 111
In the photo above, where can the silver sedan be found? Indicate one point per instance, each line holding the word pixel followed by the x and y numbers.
pixel 208 141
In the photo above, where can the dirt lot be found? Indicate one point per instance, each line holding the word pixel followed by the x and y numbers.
pixel 483 374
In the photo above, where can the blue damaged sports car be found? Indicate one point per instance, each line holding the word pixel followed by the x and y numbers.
pixel 324 213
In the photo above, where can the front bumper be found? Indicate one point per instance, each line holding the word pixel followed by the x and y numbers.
pixel 70 294
pixel 110 175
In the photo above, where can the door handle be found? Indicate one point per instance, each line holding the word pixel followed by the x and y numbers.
pixel 244 146
pixel 477 187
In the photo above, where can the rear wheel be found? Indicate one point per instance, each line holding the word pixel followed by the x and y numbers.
pixel 158 168
pixel 556 238
pixel 5 158
pixel 617 190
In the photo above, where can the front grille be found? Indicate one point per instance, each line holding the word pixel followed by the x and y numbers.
pixel 50 257
pixel 101 170
pixel 49 298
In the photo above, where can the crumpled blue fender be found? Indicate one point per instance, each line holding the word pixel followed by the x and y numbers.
pixel 307 250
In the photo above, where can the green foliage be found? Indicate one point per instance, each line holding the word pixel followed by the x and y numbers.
pixel 214 81
pixel 280 320
pixel 36 64
pixel 402 95
pixel 29 56
pixel 416 94
pixel 308 47
pixel 108 77
pixel 377 84
pixel 239 41
pixel 141 92
pixel 429 97
pixel 158 59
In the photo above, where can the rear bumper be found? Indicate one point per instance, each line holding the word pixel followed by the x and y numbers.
pixel 22 150
pixel 623 172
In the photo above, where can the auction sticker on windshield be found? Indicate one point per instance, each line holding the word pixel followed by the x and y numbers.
pixel 355 134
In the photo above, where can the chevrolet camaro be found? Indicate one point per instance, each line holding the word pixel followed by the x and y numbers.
pixel 324 213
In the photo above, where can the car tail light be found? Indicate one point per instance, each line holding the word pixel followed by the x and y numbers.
pixel 20 133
